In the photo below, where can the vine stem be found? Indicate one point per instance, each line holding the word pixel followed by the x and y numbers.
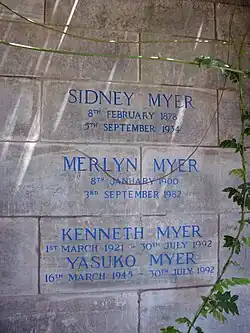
pixel 242 220
pixel 114 56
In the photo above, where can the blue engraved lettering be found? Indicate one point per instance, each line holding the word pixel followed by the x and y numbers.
pixel 80 93
pixel 177 100
pixel 93 163
pixel 68 164
pixel 159 167
pixel 128 97
pixel 80 162
pixel 101 94
pixel 88 99
pixel 117 233
pixel 188 102
pixel 152 101
pixel 167 99
pixel 117 97
pixel 72 95
pixel 154 260
pixel 192 164
pixel 66 233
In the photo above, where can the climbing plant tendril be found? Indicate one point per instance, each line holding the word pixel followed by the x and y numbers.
pixel 220 302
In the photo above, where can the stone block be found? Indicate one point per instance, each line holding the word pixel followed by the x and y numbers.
pixel 104 112
pixel 42 179
pixel 19 109
pixel 161 308
pixel 81 254
pixel 233 2
pixel 19 61
pixel 181 17
pixel 19 256
pixel 229 115
pixel 68 314
pixel 229 226
pixel 192 186
pixel 239 16
pixel 172 73
pixel 33 9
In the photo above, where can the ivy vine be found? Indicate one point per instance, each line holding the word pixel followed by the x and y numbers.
pixel 220 302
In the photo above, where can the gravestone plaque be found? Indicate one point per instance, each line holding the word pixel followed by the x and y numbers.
pixel 128 252
pixel 135 250
pixel 104 112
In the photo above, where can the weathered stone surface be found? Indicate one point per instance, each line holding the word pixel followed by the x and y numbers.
pixel 166 72
pixel 161 308
pixel 34 181
pixel 240 18
pixel 17 61
pixel 33 9
pixel 179 17
pixel 19 109
pixel 169 115
pixel 195 186
pixel 229 226
pixel 19 256
pixel 233 2
pixel 229 115
pixel 79 254
pixel 69 314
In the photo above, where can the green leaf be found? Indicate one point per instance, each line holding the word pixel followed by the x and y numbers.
pixel 235 297
pixel 247 202
pixel 247 131
pixel 239 148
pixel 170 329
pixel 204 298
pixel 231 191
pixel 218 315
pixel 229 144
pixel 246 240
pixel 248 73
pixel 183 320
pixel 219 287
pixel 229 241
pixel 233 308
pixel 229 282
pixel 238 173
pixel 240 281
pixel 237 246
pixel 224 284
pixel 235 263
pixel 204 313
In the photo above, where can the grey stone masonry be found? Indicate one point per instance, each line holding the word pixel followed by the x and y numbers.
pixel 228 226
pixel 177 17
pixel 194 184
pixel 239 28
pixel 33 9
pixel 20 109
pixel 73 313
pixel 229 115
pixel 19 256
pixel 112 210
pixel 18 61
pixel 80 254
pixel 104 112
pixel 160 309
pixel 41 179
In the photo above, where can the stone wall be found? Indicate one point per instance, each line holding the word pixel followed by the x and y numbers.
pixel 94 237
